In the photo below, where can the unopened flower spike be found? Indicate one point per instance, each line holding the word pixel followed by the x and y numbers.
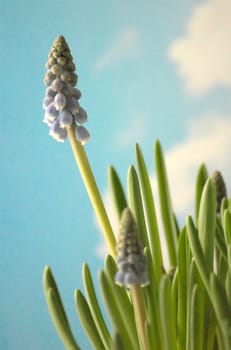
pixel 220 187
pixel 132 265
pixel 61 102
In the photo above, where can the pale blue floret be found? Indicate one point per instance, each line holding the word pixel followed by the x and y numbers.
pixel 47 101
pixel 51 112
pixel 57 132
pixel 60 101
pixel 140 267
pixel 57 85
pixel 130 279
pixel 123 265
pixel 131 273
pixel 56 69
pixel 82 135
pixel 74 92
pixel 47 121
pixel 50 92
pixel 73 105
pixel 65 119
pixel 66 77
pixel 49 78
pixel 81 116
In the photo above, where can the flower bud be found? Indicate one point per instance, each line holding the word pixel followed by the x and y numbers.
pixel 132 266
pixel 60 101
pixel 82 135
pixel 220 187
pixel 57 132
pixel 81 116
pixel 65 119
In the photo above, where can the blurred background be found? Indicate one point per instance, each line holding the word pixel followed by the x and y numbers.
pixel 147 71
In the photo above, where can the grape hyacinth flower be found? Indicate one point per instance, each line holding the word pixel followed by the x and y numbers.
pixel 61 102
pixel 130 258
pixel 220 187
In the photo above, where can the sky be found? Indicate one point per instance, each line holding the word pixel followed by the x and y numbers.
pixel 156 70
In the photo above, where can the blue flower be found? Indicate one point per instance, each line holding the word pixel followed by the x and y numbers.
pixel 61 102
pixel 132 265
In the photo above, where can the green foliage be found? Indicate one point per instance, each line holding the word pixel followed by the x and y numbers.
pixel 187 307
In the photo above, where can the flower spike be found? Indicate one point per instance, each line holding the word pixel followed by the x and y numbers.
pixel 62 109
pixel 130 258
pixel 220 187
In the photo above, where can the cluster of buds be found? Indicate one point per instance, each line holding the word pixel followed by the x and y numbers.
pixel 61 103
pixel 132 265
pixel 220 188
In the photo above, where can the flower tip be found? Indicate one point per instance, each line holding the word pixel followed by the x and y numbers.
pixel 127 214
pixel 60 37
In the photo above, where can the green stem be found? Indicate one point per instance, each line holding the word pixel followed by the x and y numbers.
pixel 92 189
pixel 140 315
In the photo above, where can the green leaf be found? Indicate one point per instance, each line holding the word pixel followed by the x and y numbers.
pixel 49 283
pixel 229 203
pixel 220 241
pixel 116 191
pixel 212 285
pixel 222 268
pixel 197 252
pixel 207 222
pixel 166 205
pixel 167 316
pixel 62 329
pixel 222 309
pixel 57 312
pixel 192 281
pixel 228 287
pixel 120 293
pixel 94 307
pixel 224 206
pixel 227 226
pixel 135 203
pixel 204 319
pixel 182 291
pixel 150 214
pixel 193 276
pixel 202 177
pixel 196 316
pixel 116 343
pixel 152 299
pixel 112 305
pixel 228 277
pixel 87 321
pixel 121 297
pixel 175 289
pixel 220 302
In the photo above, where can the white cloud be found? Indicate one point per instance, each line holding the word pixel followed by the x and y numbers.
pixel 126 46
pixel 203 55
pixel 208 141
